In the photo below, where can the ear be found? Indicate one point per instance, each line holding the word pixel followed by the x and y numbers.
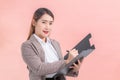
pixel 33 22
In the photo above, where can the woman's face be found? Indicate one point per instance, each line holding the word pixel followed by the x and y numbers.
pixel 43 26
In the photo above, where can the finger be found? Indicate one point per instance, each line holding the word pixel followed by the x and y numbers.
pixel 81 59
pixel 74 52
pixel 73 49
pixel 75 65
pixel 71 67
pixel 77 51
pixel 79 63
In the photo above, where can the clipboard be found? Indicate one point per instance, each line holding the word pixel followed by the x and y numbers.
pixel 84 49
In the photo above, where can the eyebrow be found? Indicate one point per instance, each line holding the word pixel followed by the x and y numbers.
pixel 47 20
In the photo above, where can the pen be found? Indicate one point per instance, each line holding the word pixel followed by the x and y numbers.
pixel 67 51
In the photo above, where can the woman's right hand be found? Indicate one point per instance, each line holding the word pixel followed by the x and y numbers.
pixel 72 53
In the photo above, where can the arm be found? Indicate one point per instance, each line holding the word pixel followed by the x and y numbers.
pixel 35 64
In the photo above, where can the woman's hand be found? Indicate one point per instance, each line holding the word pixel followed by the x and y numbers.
pixel 72 53
pixel 76 67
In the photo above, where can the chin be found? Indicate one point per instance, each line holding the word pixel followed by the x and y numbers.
pixel 46 36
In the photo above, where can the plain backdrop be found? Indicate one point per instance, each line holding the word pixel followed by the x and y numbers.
pixel 74 19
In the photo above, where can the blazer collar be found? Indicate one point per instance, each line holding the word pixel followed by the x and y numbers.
pixel 38 46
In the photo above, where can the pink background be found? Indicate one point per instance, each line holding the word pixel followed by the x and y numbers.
pixel 74 19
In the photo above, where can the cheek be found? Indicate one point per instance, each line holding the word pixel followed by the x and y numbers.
pixel 50 28
pixel 39 26
pixel 37 29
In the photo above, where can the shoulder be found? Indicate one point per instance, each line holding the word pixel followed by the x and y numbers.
pixel 26 43
pixel 54 41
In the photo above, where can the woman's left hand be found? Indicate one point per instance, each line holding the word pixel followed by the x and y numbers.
pixel 76 67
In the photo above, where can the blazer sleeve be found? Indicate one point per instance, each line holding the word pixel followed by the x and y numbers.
pixel 36 65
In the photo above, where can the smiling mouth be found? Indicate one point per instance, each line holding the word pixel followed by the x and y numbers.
pixel 46 32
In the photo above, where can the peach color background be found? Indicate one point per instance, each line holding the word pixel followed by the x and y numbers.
pixel 74 19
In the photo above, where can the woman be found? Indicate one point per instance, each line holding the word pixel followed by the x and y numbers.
pixel 42 54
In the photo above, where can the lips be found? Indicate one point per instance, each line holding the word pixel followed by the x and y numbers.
pixel 46 32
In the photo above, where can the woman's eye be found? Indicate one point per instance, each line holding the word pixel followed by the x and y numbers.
pixel 43 22
pixel 50 23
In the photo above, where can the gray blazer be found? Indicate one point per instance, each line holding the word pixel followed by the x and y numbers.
pixel 33 56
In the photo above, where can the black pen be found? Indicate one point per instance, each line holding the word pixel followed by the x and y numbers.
pixel 67 51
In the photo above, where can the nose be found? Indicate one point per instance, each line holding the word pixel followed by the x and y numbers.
pixel 47 26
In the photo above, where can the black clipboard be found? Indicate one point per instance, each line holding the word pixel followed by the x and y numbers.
pixel 84 49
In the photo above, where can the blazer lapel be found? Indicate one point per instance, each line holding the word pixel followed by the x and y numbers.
pixel 57 48
pixel 38 47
